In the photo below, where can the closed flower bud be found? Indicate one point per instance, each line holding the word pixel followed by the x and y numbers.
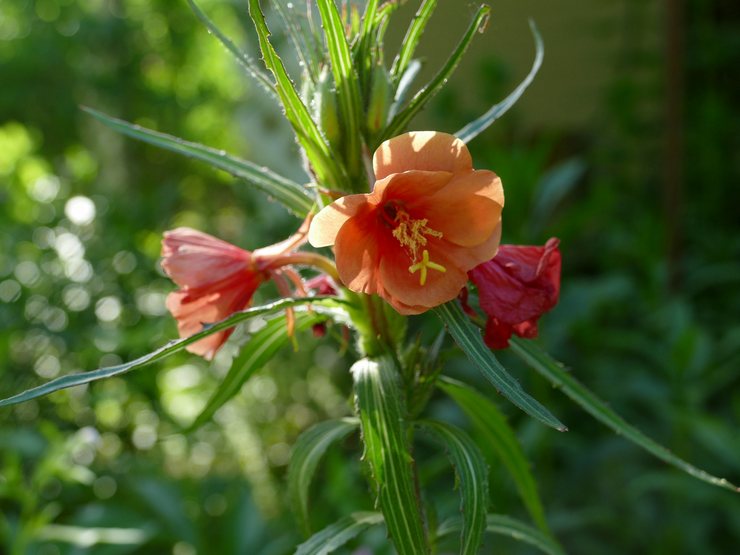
pixel 379 104
pixel 325 108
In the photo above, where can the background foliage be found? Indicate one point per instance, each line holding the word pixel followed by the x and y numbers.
pixel 647 318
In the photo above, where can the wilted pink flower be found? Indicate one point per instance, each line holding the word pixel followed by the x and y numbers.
pixel 515 288
pixel 217 279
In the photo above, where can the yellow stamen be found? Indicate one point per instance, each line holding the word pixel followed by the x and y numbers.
pixel 412 233
pixel 423 265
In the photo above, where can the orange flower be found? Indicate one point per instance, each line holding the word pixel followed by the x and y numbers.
pixel 217 279
pixel 429 219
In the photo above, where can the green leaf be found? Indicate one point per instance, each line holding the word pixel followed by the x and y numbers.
pixel 261 347
pixel 246 61
pixel 385 435
pixel 475 128
pixel 348 89
pixel 307 452
pixel 307 55
pixel 170 348
pixel 402 119
pixel 540 361
pixel 336 535
pixel 290 194
pixel 323 160
pixel 486 417
pixel 411 40
pixel 510 527
pixel 472 476
pixel 468 338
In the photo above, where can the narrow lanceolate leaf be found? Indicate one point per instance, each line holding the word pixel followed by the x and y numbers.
pixel 384 432
pixel 411 40
pixel 475 128
pixel 402 119
pixel 290 194
pixel 468 338
pixel 170 348
pixel 336 535
pixel 328 170
pixel 307 452
pixel 261 347
pixel 364 44
pixel 345 79
pixel 499 436
pixel 553 371
pixel 472 477
pixel 246 61
pixel 510 527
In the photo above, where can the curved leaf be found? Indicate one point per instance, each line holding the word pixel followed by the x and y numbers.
pixel 323 161
pixel 468 338
pixel 540 361
pixel 384 432
pixel 472 475
pixel 170 348
pixel 402 119
pixel 307 452
pixel 290 194
pixel 261 347
pixel 475 128
pixel 486 417
pixel 336 535
pixel 507 526
pixel 411 40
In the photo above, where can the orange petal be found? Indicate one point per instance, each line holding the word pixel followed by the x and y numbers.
pixel 404 286
pixel 325 225
pixel 467 210
pixel 357 253
pixel 421 150
pixel 411 185
pixel 467 258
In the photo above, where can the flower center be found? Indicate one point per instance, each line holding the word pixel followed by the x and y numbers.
pixel 412 235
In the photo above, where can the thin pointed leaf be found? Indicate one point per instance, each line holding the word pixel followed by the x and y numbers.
pixel 468 338
pixel 261 347
pixel 475 128
pixel 345 79
pixel 404 86
pixel 498 435
pixel 323 161
pixel 245 60
pixel 384 433
pixel 290 194
pixel 540 361
pixel 472 475
pixel 170 348
pixel 307 452
pixel 295 32
pixel 411 40
pixel 336 535
pixel 510 527
pixel 402 119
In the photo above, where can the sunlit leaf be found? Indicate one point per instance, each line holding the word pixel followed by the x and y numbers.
pixel 290 194
pixel 346 82
pixel 468 338
pixel 402 119
pixel 170 348
pixel 475 128
pixel 336 535
pixel 472 476
pixel 498 435
pixel 510 527
pixel 385 435
pixel 261 347
pixel 540 361
pixel 324 162
pixel 307 452
pixel 411 40
pixel 246 61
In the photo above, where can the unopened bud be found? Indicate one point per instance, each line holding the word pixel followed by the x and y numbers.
pixel 380 100
pixel 325 108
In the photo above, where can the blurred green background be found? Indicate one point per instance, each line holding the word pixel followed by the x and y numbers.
pixel 626 147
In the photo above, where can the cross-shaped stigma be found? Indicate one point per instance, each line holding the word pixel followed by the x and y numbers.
pixel 423 265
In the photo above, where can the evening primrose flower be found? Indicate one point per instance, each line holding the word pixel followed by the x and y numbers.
pixel 428 220
pixel 515 288
pixel 217 279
